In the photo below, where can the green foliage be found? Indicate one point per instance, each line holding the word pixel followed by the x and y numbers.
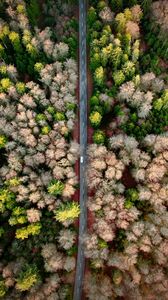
pixel 101 5
pixel 131 197
pixel 70 106
pixel 157 41
pixel 95 118
pixel 20 87
pixel 18 216
pixel 126 41
pixel 22 60
pixel 38 67
pixel 7 199
pixel 99 77
pixel 15 40
pixel 72 251
pixel 12 182
pixel 33 10
pixel 146 4
pixel 156 122
pixel 135 51
pixel 118 77
pixel 3 141
pixel 51 110
pixel 116 56
pixel 72 42
pixel 2 231
pixel 95 61
pixel 162 102
pixel 52 229
pixel 94 101
pixel 99 137
pixel 120 22
pixel 45 129
pixel 150 62
pixel 17 49
pixel 27 278
pixel 120 240
pixel 2 53
pixel 102 244
pixel 116 5
pixel 26 39
pixel 32 51
pixel 59 116
pixel 3 289
pixel 55 187
pixel 3 70
pixel 73 23
pixel 91 16
pixel 129 70
pixel 40 118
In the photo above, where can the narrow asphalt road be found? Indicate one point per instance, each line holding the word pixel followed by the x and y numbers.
pixel 83 148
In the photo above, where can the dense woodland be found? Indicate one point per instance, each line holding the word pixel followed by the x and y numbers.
pixel 126 244
pixel 38 81
pixel 127 240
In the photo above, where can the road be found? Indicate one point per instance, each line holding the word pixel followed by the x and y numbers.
pixel 83 148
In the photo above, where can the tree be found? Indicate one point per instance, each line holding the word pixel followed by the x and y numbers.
pixel 95 118
pixel 95 61
pixel 94 101
pixel 55 187
pixel 99 137
pixel 92 16
pixel 67 212
pixel 99 76
pixel 118 77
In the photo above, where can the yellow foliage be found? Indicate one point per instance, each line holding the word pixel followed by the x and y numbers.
pixel 3 141
pixel 3 69
pixel 128 14
pixel 27 282
pixel 23 233
pixel 14 36
pixel 68 213
pixel 6 30
pixel 26 37
pixel 20 9
pixel 13 181
pixel 6 83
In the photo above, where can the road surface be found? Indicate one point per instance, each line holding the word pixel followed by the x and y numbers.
pixel 83 148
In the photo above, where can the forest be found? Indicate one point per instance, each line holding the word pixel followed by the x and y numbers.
pixel 126 241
